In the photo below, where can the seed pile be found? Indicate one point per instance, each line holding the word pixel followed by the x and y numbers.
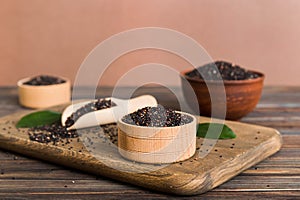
pixel 222 70
pixel 156 117
pixel 93 106
pixel 44 80
pixel 57 133
pixel 51 133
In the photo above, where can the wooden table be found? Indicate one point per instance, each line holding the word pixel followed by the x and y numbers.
pixel 278 177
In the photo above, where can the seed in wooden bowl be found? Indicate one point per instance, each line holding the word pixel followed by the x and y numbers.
pixel 157 135
pixel 44 80
pixel 156 117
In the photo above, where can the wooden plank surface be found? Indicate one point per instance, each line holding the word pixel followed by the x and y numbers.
pixel 275 178
pixel 199 174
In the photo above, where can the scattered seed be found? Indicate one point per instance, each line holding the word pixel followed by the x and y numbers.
pixel 51 133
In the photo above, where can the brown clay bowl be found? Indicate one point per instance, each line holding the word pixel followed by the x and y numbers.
pixel 241 95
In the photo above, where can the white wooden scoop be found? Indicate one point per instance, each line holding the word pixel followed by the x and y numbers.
pixel 107 115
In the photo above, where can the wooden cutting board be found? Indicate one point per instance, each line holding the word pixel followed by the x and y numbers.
pixel 95 152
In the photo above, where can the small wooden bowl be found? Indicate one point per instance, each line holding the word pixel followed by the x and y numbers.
pixel 43 96
pixel 157 144
pixel 241 95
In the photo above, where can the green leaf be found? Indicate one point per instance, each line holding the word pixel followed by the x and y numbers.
pixel 39 118
pixel 214 131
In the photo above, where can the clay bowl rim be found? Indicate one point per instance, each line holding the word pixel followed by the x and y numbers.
pixel 21 82
pixel 158 127
pixel 225 82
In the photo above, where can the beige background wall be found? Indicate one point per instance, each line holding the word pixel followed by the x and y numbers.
pixel 54 36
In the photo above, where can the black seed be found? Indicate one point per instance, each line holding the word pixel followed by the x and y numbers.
pixel 90 107
pixel 51 133
pixel 44 80
pixel 156 117
pixel 227 71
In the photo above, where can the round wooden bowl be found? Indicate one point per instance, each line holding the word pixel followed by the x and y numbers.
pixel 157 144
pixel 241 95
pixel 43 96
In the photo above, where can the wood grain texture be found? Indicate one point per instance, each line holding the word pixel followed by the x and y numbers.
pixel 157 144
pixel 274 178
pixel 193 176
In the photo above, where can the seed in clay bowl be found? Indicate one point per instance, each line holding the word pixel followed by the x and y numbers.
pixel 234 90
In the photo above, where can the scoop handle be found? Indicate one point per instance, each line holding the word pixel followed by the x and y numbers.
pixel 111 115
pixel 125 107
